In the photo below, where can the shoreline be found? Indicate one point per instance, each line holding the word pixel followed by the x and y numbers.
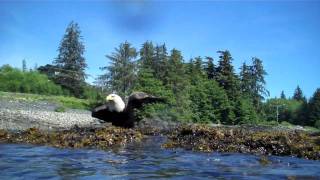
pixel 38 123
pixel 24 114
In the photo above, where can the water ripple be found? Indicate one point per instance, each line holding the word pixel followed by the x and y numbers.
pixel 146 160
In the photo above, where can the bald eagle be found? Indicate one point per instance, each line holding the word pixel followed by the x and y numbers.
pixel 120 114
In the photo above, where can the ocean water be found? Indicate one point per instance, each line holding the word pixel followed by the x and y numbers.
pixel 145 160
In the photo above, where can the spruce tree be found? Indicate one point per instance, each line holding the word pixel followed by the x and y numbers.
pixel 314 109
pixel 258 85
pixel 246 80
pixel 226 76
pixel 146 82
pixel 298 95
pixel 160 63
pixel 177 80
pixel 70 63
pixel 147 55
pixel 210 68
pixel 120 76
pixel 283 96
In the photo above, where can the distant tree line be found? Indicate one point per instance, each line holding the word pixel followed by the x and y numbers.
pixel 296 110
pixel 201 89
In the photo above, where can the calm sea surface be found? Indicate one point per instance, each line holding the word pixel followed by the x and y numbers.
pixel 145 160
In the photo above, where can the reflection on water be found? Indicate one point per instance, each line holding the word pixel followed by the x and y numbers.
pixel 145 160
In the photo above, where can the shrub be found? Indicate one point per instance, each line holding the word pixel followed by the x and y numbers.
pixel 15 80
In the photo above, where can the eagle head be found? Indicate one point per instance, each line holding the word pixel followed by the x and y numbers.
pixel 115 103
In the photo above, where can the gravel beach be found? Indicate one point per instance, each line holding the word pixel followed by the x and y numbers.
pixel 21 115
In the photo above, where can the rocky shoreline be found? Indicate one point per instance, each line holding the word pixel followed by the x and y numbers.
pixel 22 115
pixel 37 123
pixel 254 140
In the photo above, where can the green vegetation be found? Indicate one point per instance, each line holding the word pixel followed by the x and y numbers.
pixel 70 63
pixel 15 80
pixel 63 101
pixel 200 90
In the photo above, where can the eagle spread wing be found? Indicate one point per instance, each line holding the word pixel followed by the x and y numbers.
pixel 126 118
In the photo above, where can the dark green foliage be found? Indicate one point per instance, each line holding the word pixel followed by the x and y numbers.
pixel 258 85
pixel 209 102
pixel 120 75
pixel 49 70
pixel 70 63
pixel 197 91
pixel 246 79
pixel 314 109
pixel 147 55
pixel 146 82
pixel 15 80
pixel 176 79
pixel 283 96
pixel 210 68
pixel 288 110
pixel 302 114
pixel 226 76
pixel 253 83
pixel 298 95
pixel 245 112
pixel 160 62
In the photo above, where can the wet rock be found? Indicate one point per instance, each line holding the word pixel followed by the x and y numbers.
pixel 246 140
pixel 77 137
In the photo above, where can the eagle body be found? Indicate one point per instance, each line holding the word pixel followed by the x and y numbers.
pixel 119 114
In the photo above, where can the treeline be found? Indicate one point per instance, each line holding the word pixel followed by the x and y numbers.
pixel 295 110
pixel 201 89
pixel 204 90
pixel 197 91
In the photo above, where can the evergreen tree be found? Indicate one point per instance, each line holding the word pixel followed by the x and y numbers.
pixel 298 95
pixel 160 63
pixel 120 75
pixel 210 68
pixel 146 82
pixel 209 102
pixel 314 109
pixel 246 80
pixel 24 65
pixel 245 112
pixel 177 81
pixel 226 76
pixel 302 114
pixel 283 96
pixel 198 66
pixel 70 62
pixel 258 85
pixel 147 55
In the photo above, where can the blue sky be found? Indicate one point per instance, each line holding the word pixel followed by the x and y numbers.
pixel 285 35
